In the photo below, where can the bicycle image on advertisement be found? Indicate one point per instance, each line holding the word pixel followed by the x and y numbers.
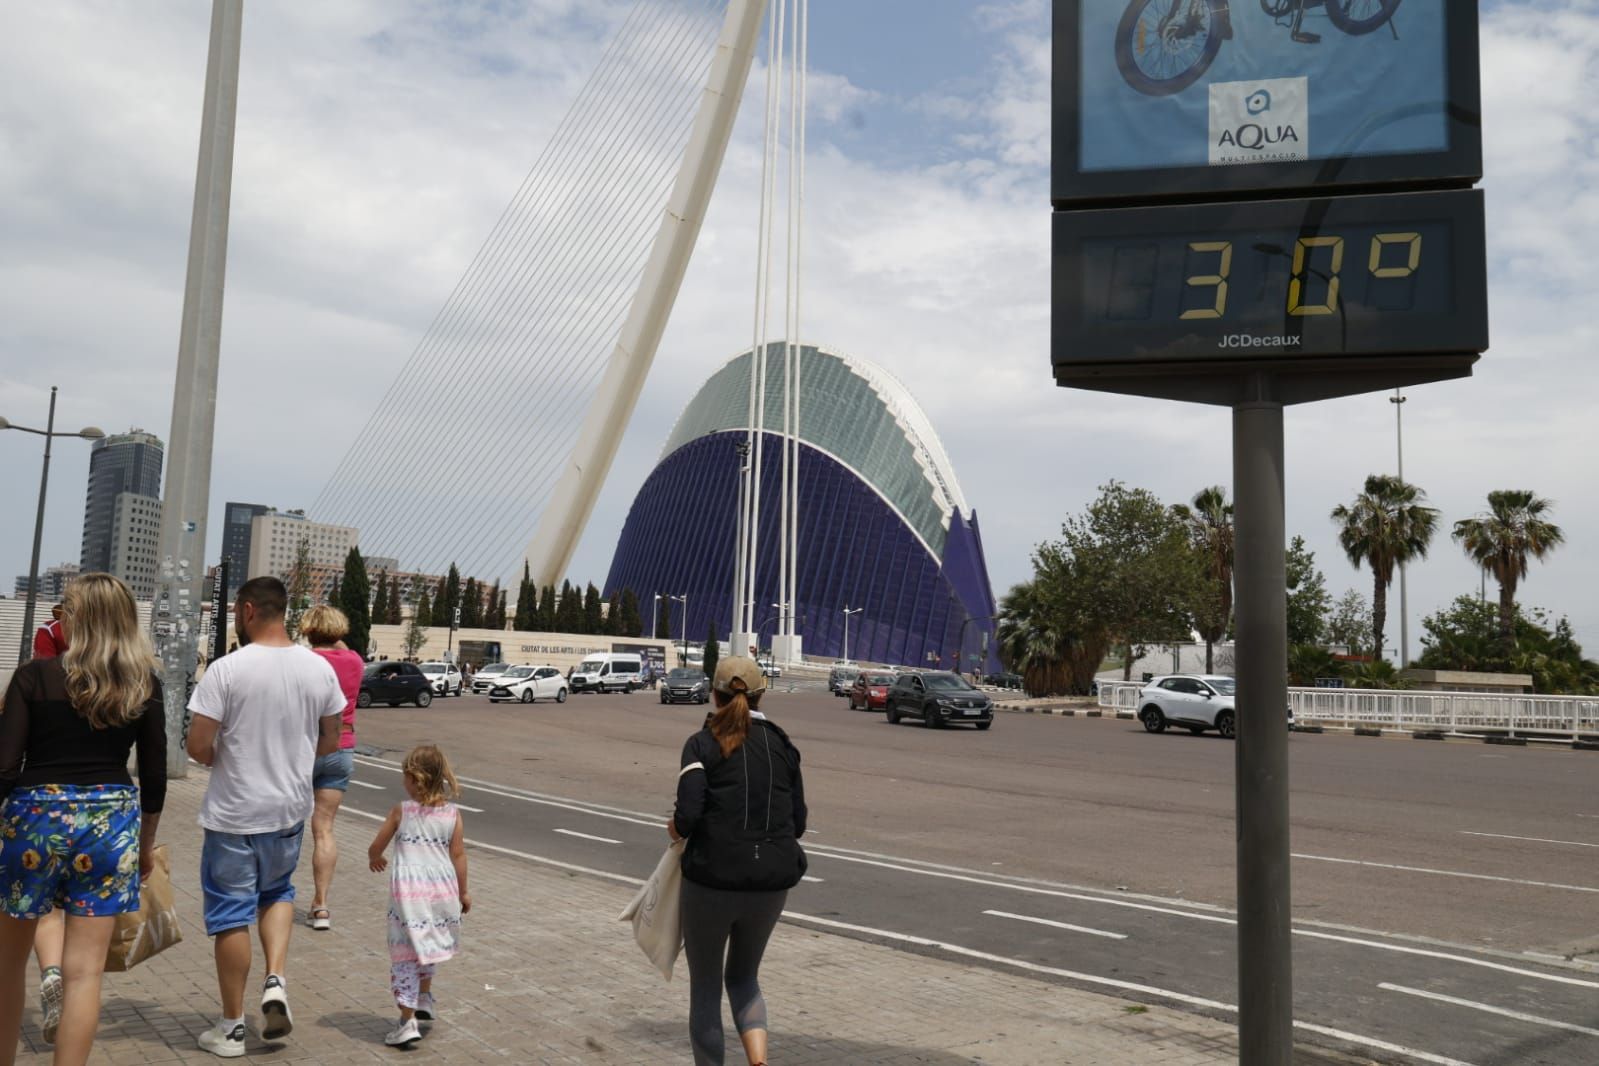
pixel 1164 46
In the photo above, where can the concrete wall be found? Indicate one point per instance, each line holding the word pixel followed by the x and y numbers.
pixel 561 650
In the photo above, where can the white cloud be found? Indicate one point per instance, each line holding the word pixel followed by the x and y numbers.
pixel 378 143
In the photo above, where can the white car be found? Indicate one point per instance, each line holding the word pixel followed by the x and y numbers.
pixel 488 677
pixel 526 684
pixel 444 677
pixel 770 668
pixel 1196 702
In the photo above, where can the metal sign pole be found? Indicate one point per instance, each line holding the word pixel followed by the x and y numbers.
pixel 1265 956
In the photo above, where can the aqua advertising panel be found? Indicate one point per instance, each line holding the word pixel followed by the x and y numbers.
pixel 1179 97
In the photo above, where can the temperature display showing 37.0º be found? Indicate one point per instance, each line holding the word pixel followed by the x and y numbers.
pixel 1354 275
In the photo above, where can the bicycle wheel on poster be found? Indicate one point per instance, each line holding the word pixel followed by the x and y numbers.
pixel 1164 46
pixel 1356 17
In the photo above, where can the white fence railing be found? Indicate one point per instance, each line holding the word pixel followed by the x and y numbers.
pixel 1448 712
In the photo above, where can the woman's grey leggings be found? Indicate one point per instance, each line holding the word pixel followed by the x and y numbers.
pixel 718 924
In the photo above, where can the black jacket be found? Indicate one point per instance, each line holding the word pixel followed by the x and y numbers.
pixel 743 815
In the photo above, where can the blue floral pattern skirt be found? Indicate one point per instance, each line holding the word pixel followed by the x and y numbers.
pixel 70 846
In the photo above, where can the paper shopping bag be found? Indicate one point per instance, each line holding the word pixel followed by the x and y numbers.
pixel 655 914
pixel 153 928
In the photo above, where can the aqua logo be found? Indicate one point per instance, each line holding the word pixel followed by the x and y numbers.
pixel 1258 103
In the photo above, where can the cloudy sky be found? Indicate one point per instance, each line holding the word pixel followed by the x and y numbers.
pixel 379 140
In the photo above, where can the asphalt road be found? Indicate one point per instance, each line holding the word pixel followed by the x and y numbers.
pixel 1436 886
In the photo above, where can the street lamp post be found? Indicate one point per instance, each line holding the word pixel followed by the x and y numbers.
pixel 847 613
pixel 655 616
pixel 48 433
pixel 683 599
pixel 1398 400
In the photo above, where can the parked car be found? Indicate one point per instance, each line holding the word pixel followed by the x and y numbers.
pixel 870 691
pixel 445 677
pixel 769 667
pixel 525 684
pixel 841 678
pixel 394 684
pixel 686 684
pixel 938 698
pixel 1003 680
pixel 488 677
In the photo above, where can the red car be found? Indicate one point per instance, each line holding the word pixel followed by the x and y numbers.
pixel 870 692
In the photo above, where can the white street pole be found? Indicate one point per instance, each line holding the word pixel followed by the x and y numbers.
pixel 847 613
pixel 1398 400
pixel 175 619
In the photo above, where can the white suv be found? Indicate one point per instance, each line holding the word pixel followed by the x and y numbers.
pixel 1196 702
pixel 444 677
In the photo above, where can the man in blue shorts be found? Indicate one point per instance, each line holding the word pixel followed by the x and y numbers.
pixel 262 716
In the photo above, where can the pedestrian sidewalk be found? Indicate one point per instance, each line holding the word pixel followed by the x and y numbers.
pixel 547 975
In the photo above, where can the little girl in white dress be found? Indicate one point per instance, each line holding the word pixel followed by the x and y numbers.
pixel 427 887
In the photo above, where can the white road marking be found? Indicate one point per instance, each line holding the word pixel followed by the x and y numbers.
pixel 1057 925
pixel 474 810
pixel 1465 959
pixel 1448 873
pixel 813 880
pixel 586 836
pixel 366 784
pixel 1111 982
pixel 1489 1009
pixel 1532 840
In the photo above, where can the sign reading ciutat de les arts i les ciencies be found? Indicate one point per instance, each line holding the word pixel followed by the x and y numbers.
pixel 1277 185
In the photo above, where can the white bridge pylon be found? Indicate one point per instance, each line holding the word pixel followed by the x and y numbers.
pixel 567 513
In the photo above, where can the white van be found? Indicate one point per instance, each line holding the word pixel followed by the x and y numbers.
pixel 621 672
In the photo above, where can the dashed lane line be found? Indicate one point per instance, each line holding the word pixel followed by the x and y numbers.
pixel 367 784
pixel 1056 925
pixel 586 836
pixel 1448 873
pixel 1488 1008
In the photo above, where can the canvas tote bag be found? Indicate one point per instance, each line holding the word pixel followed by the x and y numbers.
pixel 153 928
pixel 655 911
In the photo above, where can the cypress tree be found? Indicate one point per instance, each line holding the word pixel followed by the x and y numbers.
pixel 395 603
pixel 380 596
pixel 441 596
pixel 499 613
pixel 632 623
pixel 593 612
pixel 424 609
pixel 352 601
pixel 613 615
pixel 713 651
pixel 569 610
pixel 544 619
pixel 526 601
pixel 452 596
pixel 471 605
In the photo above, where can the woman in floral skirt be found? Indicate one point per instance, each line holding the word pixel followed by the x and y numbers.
pixel 71 831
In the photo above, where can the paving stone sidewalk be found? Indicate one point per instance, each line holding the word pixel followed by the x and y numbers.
pixel 547 975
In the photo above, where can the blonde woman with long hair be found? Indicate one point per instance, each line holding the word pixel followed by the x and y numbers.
pixel 324 628
pixel 74 832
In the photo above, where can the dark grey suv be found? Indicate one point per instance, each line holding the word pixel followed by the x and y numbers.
pixel 685 685
pixel 939 698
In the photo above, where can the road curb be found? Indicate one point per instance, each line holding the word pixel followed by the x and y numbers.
pixel 1585 745
pixel 1427 734
pixel 1367 731
pixel 1514 742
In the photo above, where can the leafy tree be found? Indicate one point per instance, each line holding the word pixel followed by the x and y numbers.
pixel 1308 599
pixel 1350 623
pixel 593 612
pixel 423 615
pixel 1375 673
pixel 416 634
pixel 1386 525
pixel 1503 540
pixel 1139 574
pixel 352 601
pixel 713 651
pixel 632 624
pixel 1307 662
pixel 1466 636
pixel 299 583
pixel 526 601
pixel 1210 528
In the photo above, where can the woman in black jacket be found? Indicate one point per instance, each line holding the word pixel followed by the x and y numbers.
pixel 741 806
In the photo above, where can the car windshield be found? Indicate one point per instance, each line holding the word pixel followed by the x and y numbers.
pixel 494 668
pixel 686 675
pixel 590 666
pixel 1225 685
pixel 947 682
pixel 433 668
pixel 519 671
pixel 880 679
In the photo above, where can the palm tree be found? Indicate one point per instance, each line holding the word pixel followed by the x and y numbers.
pixel 1030 643
pixel 1210 526
pixel 1386 525
pixel 1504 539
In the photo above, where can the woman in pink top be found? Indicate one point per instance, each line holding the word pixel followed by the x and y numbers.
pixel 324 627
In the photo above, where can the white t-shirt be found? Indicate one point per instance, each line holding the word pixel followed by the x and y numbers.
pixel 268 703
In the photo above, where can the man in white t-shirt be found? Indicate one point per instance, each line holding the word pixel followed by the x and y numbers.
pixel 261 717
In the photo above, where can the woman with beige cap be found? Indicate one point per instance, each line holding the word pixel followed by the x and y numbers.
pixel 741 806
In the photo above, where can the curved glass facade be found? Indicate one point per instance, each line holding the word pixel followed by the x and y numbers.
pixel 882 523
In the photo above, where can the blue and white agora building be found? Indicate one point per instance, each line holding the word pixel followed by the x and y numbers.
pixel 883 525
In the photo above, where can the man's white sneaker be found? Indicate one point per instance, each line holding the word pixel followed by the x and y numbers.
pixel 403 1035
pixel 276 1021
pixel 224 1044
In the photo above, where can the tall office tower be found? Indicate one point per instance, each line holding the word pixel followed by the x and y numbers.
pixel 124 463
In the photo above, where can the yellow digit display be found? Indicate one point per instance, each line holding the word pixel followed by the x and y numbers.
pixel 1296 304
pixel 1218 279
pixel 1383 240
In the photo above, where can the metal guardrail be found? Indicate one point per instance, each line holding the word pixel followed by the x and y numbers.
pixel 1447 712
